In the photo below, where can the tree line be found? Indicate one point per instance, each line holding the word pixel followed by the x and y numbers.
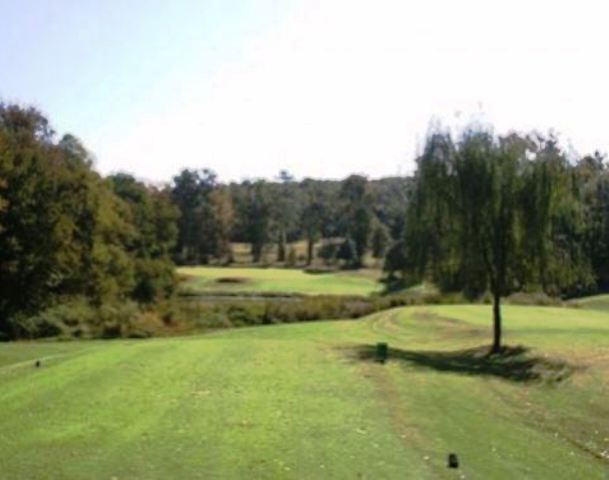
pixel 350 218
pixel 70 235
pixel 67 232
pixel 482 213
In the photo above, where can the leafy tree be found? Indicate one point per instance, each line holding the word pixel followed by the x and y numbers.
pixel 591 179
pixel 154 218
pixel 356 215
pixel 389 199
pixel 67 233
pixel 254 205
pixel 380 240
pixel 63 231
pixel 484 213
pixel 205 217
pixel 312 215
pixel 285 208
pixel 347 251
pixel 396 259
pixel 328 252
pixel 224 217
pixel 186 192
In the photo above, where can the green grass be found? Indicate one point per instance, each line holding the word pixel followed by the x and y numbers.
pixel 305 401
pixel 280 280
pixel 594 302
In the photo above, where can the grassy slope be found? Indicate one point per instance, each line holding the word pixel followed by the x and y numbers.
pixel 282 280
pixel 299 401
pixel 595 302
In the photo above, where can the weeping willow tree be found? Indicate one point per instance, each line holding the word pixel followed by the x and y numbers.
pixel 491 214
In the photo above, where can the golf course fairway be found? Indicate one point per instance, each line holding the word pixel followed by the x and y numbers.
pixel 309 401
pixel 280 280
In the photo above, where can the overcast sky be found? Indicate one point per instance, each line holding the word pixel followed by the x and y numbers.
pixel 321 88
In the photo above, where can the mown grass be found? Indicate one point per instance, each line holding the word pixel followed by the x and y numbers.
pixel 308 401
pixel 279 280
pixel 594 302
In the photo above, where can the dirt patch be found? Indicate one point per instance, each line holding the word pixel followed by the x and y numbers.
pixel 232 280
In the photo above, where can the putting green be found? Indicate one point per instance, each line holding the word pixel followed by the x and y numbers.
pixel 308 401
pixel 280 280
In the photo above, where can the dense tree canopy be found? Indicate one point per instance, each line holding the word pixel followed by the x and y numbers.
pixel 154 218
pixel 491 213
pixel 482 214
pixel 65 231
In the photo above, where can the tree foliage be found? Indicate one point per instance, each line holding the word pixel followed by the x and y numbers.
pixel 481 214
pixel 489 213
pixel 206 216
pixel 154 217
pixel 64 232
pixel 356 216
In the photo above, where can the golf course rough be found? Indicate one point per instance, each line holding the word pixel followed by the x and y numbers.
pixel 306 401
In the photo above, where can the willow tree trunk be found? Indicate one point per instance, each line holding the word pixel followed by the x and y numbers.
pixel 496 324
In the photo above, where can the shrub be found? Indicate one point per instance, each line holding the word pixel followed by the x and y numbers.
pixel 143 325
pixel 347 252
pixel 72 317
pixel 533 298
pixel 155 280
pixel 320 269
pixel 327 252
pixel 77 318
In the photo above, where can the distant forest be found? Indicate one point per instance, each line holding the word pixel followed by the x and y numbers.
pixel 68 234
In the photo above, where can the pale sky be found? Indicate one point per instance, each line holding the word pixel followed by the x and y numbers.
pixel 320 88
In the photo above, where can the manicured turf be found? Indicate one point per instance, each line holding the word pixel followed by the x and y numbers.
pixel 306 401
pixel 595 302
pixel 280 280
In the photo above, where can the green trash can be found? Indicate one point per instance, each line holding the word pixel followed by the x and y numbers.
pixel 382 352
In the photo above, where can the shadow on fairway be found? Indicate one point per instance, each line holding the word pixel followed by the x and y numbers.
pixel 513 363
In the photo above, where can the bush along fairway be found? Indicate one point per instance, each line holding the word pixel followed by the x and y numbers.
pixel 310 401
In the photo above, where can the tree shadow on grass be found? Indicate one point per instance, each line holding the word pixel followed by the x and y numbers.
pixel 515 364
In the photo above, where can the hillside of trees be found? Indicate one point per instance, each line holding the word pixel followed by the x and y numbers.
pixel 350 218
pixel 481 214
pixel 66 233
